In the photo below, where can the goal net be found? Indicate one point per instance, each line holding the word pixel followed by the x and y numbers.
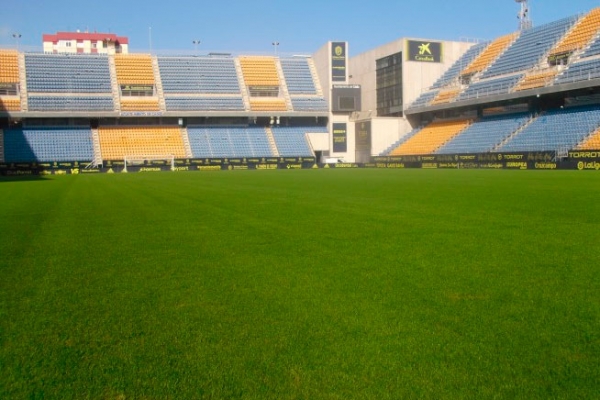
pixel 131 161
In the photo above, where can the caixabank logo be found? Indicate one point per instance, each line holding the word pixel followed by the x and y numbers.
pixel 424 51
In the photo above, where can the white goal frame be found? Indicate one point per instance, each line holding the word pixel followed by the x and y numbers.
pixel 137 160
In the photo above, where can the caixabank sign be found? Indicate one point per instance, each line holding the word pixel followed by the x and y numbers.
pixel 424 51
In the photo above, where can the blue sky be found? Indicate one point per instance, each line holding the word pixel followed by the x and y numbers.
pixel 250 26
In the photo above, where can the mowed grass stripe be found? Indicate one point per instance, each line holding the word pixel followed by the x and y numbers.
pixel 301 284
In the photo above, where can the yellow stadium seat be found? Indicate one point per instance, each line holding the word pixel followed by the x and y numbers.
pixel 431 137
pixel 116 143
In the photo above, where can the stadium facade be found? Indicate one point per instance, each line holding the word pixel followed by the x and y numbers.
pixel 531 96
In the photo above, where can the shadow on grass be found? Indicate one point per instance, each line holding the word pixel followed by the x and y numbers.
pixel 22 178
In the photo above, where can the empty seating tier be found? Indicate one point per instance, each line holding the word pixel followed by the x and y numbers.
pixel 117 142
pixel 592 143
pixel 292 141
pixel 316 104
pixel 529 48
pixel 67 73
pixel 580 71
pixel 198 75
pixel 485 135
pixel 134 69
pixel 48 144
pixel 9 66
pixel 259 71
pixel 594 48
pixel 537 79
pixel 298 76
pixel 454 71
pixel 268 104
pixel 556 130
pixel 489 87
pixel 228 142
pixel 581 34
pixel 10 104
pixel 181 103
pixel 424 99
pixel 430 138
pixel 139 104
pixel 70 103
pixel 487 56
pixel 445 96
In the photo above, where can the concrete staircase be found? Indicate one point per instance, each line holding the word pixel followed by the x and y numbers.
pixel 243 88
pixel 271 140
pixel 114 83
pixel 97 162
pixel 283 85
pixel 162 105
pixel 186 142
pixel 23 83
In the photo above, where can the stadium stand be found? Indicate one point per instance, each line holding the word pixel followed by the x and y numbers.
pixel 556 130
pixel 267 104
pixel 400 141
pixel 485 134
pixel 583 32
pixel 70 103
pixel 489 54
pixel 259 71
pixel 229 142
pixel 424 99
pixel 594 48
pixel 48 144
pixel 529 48
pixel 309 104
pixel 592 143
pixel 118 142
pixel 209 103
pixel 445 96
pixel 139 104
pixel 490 87
pixel 454 71
pixel 134 69
pixel 431 137
pixel 67 73
pixel 537 79
pixel 9 73
pixel 10 104
pixel 298 76
pixel 580 71
pixel 199 75
pixel 291 141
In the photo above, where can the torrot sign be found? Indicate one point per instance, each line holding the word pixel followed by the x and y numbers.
pixel 424 51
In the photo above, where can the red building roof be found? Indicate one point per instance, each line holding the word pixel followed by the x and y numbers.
pixel 81 36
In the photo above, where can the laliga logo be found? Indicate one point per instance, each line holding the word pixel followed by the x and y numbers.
pixel 580 165
pixel 338 50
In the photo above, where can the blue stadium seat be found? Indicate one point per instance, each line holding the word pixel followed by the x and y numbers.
pixel 463 62
pixel 558 130
pixel 199 75
pixel 67 73
pixel 48 144
pixel 530 47
pixel 484 134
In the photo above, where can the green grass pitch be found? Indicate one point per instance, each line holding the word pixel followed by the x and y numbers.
pixel 312 284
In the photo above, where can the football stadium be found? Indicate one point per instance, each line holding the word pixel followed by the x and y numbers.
pixel 420 220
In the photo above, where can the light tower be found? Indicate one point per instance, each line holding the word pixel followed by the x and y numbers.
pixel 523 15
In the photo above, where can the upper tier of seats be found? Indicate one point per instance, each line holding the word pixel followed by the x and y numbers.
pixel 587 27
pixel 134 69
pixel 9 66
pixel 455 70
pixel 298 76
pixel 199 75
pixel 487 56
pixel 67 73
pixel 259 71
pixel 529 48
